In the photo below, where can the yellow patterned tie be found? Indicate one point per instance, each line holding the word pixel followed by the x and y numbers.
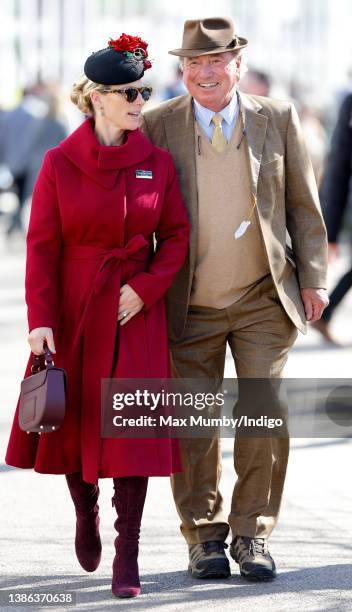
pixel 218 141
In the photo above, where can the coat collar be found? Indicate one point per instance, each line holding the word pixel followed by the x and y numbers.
pixel 100 162
pixel 178 118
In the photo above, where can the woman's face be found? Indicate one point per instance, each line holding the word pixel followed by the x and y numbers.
pixel 112 106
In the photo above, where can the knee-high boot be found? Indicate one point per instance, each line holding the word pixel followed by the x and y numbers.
pixel 87 541
pixel 129 498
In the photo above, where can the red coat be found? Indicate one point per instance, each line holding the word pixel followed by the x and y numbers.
pixel 91 230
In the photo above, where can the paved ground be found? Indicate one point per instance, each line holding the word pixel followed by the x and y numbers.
pixel 312 543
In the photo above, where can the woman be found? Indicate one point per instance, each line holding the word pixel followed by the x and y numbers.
pixel 94 290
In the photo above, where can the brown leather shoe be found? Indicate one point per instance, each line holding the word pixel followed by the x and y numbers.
pixel 253 557
pixel 322 327
pixel 208 560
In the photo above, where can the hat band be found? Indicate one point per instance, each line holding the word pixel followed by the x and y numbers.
pixel 212 45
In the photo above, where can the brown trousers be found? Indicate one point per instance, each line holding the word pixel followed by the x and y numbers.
pixel 259 333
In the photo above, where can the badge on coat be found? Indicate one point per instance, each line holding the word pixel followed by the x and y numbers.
pixel 146 174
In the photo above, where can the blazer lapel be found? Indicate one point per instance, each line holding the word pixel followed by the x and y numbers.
pixel 179 128
pixel 255 126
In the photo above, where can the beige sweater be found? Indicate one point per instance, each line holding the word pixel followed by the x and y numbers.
pixel 226 268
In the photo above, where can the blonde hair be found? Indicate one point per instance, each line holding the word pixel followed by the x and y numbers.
pixel 80 94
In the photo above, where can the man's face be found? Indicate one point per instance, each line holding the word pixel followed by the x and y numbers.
pixel 211 79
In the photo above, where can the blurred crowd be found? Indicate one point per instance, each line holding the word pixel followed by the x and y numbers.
pixel 26 133
pixel 37 124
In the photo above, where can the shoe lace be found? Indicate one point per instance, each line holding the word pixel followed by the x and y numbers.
pixel 214 546
pixel 258 546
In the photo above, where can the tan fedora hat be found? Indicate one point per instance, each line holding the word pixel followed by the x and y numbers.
pixel 211 35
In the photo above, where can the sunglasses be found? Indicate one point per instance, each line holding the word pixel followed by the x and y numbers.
pixel 131 93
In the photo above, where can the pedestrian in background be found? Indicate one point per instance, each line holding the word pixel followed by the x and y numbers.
pixel 94 291
pixel 26 133
pixel 255 82
pixel 335 195
pixel 175 87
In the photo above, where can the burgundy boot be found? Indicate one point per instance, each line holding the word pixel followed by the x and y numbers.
pixel 130 493
pixel 87 542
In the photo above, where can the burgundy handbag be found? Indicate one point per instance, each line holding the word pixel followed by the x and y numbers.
pixel 43 395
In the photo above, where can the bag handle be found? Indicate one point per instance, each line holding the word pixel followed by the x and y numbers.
pixel 37 361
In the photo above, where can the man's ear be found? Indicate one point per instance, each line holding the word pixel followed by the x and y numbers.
pixel 238 66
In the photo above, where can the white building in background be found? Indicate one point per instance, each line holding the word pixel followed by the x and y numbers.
pixel 306 42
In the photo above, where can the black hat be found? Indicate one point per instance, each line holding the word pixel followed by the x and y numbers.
pixel 123 61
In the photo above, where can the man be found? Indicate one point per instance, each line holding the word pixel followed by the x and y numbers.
pixel 26 133
pixel 256 82
pixel 245 176
pixel 335 195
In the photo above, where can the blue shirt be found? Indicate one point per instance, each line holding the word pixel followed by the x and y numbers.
pixel 204 117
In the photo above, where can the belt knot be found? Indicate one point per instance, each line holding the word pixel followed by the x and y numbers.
pixel 116 256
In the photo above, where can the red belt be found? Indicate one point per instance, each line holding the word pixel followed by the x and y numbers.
pixel 136 250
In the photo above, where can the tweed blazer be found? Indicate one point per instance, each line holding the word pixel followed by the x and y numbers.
pixel 283 183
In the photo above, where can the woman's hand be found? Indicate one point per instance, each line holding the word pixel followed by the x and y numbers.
pixel 38 336
pixel 130 303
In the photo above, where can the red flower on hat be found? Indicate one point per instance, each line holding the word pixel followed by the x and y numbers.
pixel 131 45
pixel 128 43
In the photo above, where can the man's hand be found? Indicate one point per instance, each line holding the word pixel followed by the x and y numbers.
pixel 38 336
pixel 315 301
pixel 130 303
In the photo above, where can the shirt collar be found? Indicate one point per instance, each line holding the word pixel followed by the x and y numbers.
pixel 229 113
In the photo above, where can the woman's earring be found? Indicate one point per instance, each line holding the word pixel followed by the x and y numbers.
pixel 102 112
